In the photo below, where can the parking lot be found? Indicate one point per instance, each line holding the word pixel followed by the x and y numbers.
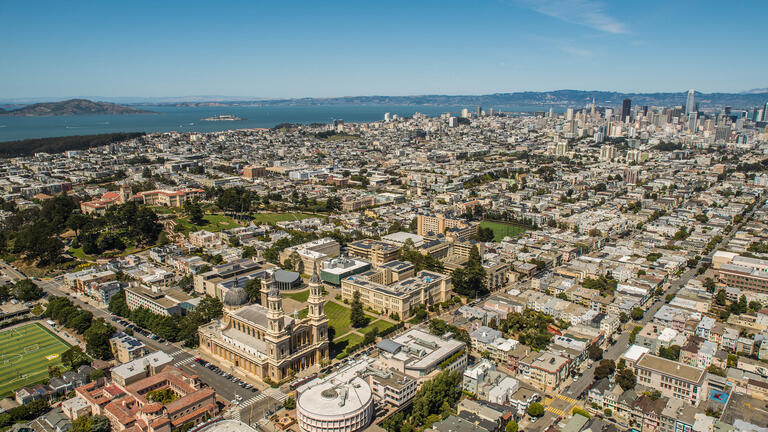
pixel 229 388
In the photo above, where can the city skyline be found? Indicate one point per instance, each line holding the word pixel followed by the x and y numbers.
pixel 345 49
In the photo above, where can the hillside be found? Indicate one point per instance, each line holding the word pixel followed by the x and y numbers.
pixel 556 98
pixel 29 147
pixel 72 107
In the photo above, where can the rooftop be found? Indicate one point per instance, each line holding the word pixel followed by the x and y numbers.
pixel 670 368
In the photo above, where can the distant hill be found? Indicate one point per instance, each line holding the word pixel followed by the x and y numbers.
pixel 538 100
pixel 71 107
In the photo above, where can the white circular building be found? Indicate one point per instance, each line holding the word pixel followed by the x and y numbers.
pixel 340 402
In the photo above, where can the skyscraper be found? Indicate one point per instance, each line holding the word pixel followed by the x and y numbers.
pixel 690 102
pixel 626 105
pixel 692 122
pixel 479 111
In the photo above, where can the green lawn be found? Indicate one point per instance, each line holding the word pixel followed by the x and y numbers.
pixel 25 354
pixel 300 296
pixel 338 317
pixel 501 230
pixel 340 344
pixel 303 313
pixel 279 217
pixel 215 223
pixel 380 325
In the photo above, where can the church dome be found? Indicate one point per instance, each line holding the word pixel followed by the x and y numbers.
pixel 235 297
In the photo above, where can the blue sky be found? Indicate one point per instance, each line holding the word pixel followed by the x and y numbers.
pixel 344 48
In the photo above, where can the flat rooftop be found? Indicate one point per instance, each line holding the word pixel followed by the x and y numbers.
pixel 670 368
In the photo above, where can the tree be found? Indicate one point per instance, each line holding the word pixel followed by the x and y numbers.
pixel 81 424
pixel 714 370
pixel 484 234
pixel 637 313
pixel 27 290
pixel 289 403
pixel 118 306
pixel 210 308
pixel 623 317
pixel 357 316
pixel 595 352
pixel 535 409
pixel 626 379
pixel 97 339
pixel 470 279
pixel 605 368
pixel 511 426
pixel 720 298
pixel 709 284
pixel 100 423
pixel 76 222
pixel 195 212
pixel 253 288
pixel 74 357
pixel 430 398
pixel 97 374
pixel 671 353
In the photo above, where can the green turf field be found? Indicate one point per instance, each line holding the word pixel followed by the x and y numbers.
pixel 501 230
pixel 25 354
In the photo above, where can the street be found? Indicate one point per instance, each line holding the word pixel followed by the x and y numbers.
pixel 622 344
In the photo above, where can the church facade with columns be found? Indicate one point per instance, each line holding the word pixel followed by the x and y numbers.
pixel 261 339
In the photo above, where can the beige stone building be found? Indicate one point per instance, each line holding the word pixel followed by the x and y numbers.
pixel 265 342
pixel 385 291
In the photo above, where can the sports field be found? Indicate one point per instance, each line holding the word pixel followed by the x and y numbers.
pixel 25 354
pixel 501 230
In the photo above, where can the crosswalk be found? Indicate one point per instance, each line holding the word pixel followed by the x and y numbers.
pixel 554 410
pixel 276 394
pixel 567 399
pixel 177 353
pixel 185 361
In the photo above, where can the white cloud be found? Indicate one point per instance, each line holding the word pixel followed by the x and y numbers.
pixel 588 13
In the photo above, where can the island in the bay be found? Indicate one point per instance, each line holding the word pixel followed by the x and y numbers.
pixel 223 117
pixel 72 107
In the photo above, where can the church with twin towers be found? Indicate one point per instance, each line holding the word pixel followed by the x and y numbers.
pixel 261 339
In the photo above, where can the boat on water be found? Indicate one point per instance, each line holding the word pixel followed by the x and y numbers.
pixel 223 117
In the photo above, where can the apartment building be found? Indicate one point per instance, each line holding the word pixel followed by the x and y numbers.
pixel 432 226
pixel 167 303
pixel 545 370
pixel 307 256
pixel 673 379
pixel 375 251
pixel 126 348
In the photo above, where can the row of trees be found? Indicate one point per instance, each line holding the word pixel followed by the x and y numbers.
pixel 97 332
pixel 24 412
pixel 172 328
